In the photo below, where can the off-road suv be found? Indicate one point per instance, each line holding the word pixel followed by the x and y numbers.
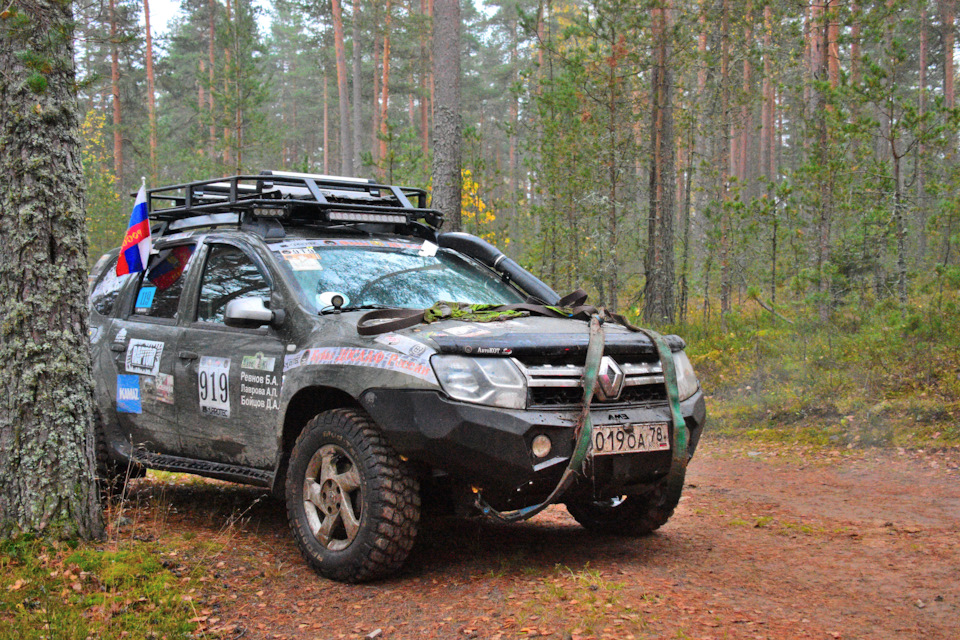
pixel 290 332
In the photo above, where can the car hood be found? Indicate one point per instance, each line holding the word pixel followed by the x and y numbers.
pixel 525 336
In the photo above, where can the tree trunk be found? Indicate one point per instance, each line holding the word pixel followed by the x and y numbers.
pixel 212 37
pixel 921 151
pixel 115 92
pixel 47 464
pixel 447 126
pixel 357 80
pixel 424 89
pixel 375 111
pixel 326 126
pixel 725 172
pixel 346 140
pixel 947 17
pixel 385 89
pixel 151 96
pixel 658 296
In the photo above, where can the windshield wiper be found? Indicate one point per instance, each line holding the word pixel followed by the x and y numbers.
pixel 358 307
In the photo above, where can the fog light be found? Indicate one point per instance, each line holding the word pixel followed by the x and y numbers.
pixel 541 446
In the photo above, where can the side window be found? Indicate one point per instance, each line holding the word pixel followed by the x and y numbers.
pixel 229 275
pixel 106 291
pixel 159 293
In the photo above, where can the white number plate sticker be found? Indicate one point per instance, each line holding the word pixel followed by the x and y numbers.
pixel 213 379
pixel 630 438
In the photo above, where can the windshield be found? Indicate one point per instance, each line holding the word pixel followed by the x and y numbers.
pixel 375 273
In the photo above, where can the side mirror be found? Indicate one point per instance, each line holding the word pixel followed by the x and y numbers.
pixel 247 313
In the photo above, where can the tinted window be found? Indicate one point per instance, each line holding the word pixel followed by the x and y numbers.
pixel 159 293
pixel 229 275
pixel 107 290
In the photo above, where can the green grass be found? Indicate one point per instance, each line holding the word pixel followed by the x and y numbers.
pixel 77 591
pixel 870 376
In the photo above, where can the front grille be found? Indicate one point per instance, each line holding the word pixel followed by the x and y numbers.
pixel 559 384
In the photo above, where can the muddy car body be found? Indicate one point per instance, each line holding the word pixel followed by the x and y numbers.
pixel 246 352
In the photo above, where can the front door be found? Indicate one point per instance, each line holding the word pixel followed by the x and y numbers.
pixel 228 379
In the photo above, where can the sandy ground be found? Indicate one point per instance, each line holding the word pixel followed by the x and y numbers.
pixel 768 542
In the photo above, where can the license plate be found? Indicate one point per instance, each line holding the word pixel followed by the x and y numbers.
pixel 611 439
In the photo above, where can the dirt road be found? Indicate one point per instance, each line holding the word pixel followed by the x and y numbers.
pixel 766 543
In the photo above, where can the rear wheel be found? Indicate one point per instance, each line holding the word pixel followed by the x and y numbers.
pixel 352 505
pixel 626 515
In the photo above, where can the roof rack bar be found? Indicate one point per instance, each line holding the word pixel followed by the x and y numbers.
pixel 315 191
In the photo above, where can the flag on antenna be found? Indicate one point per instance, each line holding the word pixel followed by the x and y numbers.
pixel 136 244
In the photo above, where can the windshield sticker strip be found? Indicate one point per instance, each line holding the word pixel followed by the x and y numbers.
pixel 332 242
pixel 143 356
pixel 399 362
pixel 128 394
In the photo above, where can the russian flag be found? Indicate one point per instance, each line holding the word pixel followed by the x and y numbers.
pixel 136 244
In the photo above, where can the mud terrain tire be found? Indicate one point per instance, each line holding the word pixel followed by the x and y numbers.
pixel 626 516
pixel 352 505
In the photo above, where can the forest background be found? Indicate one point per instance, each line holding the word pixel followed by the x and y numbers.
pixel 776 181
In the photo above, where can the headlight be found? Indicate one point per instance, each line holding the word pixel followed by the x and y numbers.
pixel 492 381
pixel 687 382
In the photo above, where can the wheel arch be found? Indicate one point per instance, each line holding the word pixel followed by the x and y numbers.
pixel 304 405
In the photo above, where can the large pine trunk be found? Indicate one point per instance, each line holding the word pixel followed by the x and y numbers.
pixel 46 440
pixel 658 295
pixel 446 142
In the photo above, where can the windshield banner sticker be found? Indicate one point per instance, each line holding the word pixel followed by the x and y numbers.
pixel 213 380
pixel 309 244
pixel 402 363
pixel 143 356
pixel 128 394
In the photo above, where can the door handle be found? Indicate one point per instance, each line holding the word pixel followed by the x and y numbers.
pixel 188 355
pixel 119 348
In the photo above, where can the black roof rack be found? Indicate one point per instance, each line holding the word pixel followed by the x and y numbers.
pixel 284 195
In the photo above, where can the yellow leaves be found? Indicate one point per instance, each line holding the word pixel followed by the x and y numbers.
pixel 473 209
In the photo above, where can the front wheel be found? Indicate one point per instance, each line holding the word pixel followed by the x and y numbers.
pixel 626 515
pixel 352 505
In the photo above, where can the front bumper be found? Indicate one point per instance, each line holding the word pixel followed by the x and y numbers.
pixel 489 447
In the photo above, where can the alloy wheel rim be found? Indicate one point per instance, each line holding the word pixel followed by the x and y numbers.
pixel 333 497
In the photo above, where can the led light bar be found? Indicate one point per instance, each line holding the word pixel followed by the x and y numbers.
pixel 269 212
pixel 349 216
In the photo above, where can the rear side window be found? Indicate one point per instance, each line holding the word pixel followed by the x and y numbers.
pixel 105 293
pixel 159 292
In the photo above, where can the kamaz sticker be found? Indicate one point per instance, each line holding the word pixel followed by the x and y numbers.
pixel 128 394
pixel 259 362
pixel 213 381
pixel 143 356
pixel 374 358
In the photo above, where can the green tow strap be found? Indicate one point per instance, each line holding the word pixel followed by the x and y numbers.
pixel 583 435
pixel 673 484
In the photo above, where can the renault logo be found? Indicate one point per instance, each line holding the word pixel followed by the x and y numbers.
pixel 609 380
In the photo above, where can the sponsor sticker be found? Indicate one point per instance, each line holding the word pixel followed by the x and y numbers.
pixel 466 331
pixel 162 387
pixel 259 362
pixel 143 356
pixel 406 345
pixel 301 259
pixel 374 358
pixel 95 333
pixel 128 394
pixel 428 249
pixel 121 335
pixel 213 380
pixel 145 297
